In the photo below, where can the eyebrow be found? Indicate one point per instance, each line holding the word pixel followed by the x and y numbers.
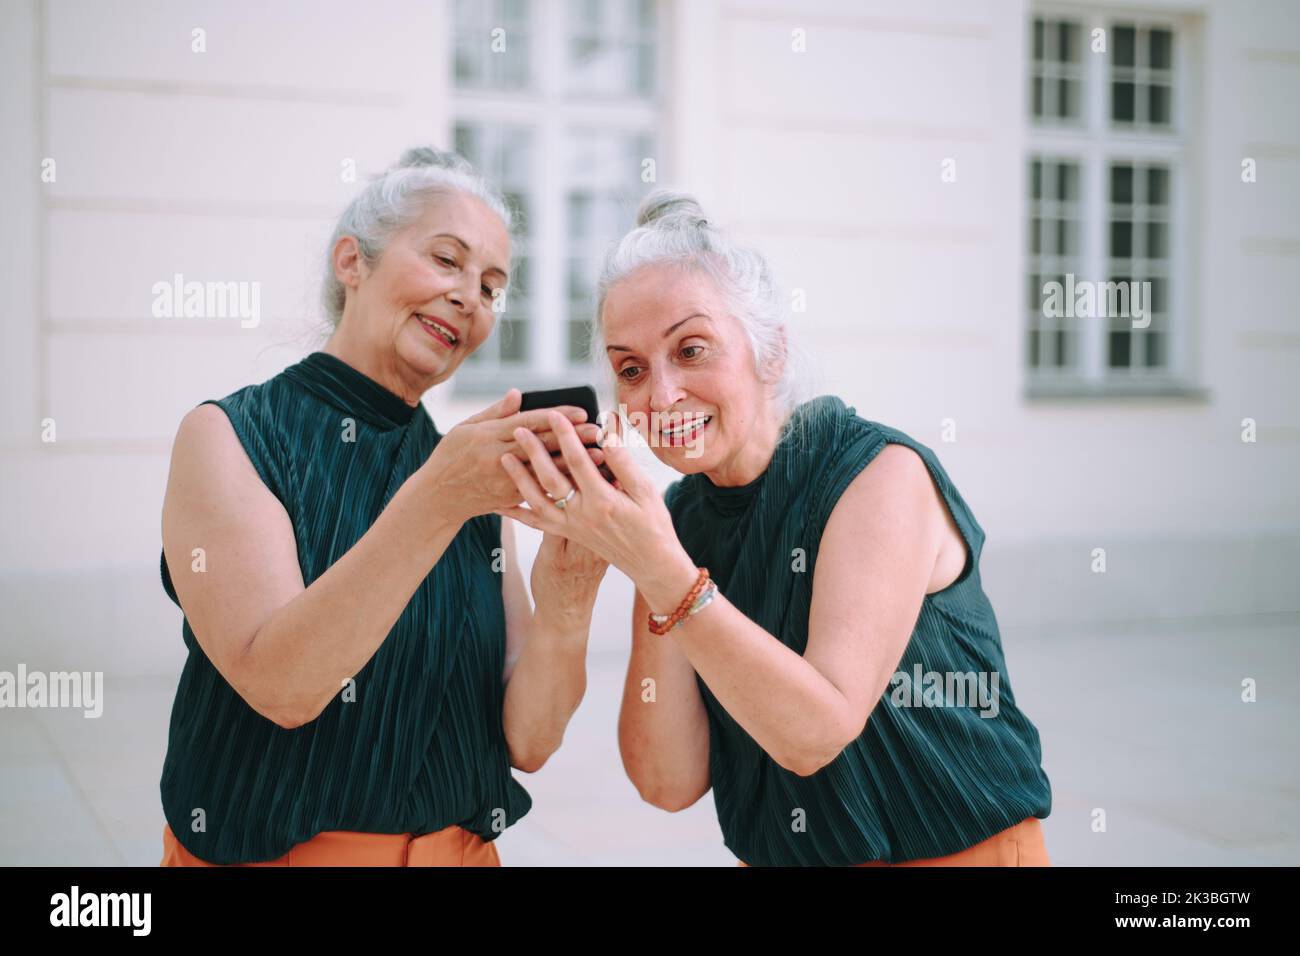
pixel 671 330
pixel 466 246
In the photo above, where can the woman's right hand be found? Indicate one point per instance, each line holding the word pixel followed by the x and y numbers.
pixel 464 471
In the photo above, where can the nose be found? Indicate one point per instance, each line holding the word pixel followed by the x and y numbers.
pixel 665 391
pixel 461 296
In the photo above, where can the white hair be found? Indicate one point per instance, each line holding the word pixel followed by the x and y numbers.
pixel 671 229
pixel 394 200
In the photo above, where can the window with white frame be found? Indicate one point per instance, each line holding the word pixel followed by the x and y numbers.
pixel 1109 115
pixel 558 101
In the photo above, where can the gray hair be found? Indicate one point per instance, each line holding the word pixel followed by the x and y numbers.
pixel 671 229
pixel 394 200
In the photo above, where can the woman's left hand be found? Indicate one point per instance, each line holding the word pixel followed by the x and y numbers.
pixel 566 576
pixel 626 524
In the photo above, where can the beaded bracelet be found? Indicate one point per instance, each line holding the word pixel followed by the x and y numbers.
pixel 700 594
pixel 705 597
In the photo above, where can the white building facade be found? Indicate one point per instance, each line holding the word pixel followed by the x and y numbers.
pixel 916 173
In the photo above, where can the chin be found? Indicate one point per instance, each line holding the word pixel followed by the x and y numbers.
pixel 679 461
pixel 426 361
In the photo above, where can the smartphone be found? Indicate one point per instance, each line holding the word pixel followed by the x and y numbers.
pixel 580 396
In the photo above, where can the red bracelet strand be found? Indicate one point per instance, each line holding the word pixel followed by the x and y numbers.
pixel 666 625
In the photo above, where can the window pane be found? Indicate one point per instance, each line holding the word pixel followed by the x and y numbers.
pixel 1155 349
pixel 1162 44
pixel 492 44
pixel 1067 98
pixel 505 155
pixel 1157 186
pixel 1057 72
pixel 1067 182
pixel 1124 46
pixel 1158 107
pixel 1121 240
pixel 1156 241
pixel 1063 357
pixel 602 188
pixel 1054 225
pixel 1119 349
pixel 1136 206
pixel 1066 33
pixel 1121 184
pixel 1065 237
pixel 1159 295
pixel 611 47
pixel 1121 102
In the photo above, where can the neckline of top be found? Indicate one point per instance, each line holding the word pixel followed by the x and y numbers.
pixel 736 499
pixel 351 390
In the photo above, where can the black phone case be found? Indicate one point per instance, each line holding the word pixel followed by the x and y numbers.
pixel 580 396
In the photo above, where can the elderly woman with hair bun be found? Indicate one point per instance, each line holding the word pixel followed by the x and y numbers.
pixel 798 591
pixel 364 664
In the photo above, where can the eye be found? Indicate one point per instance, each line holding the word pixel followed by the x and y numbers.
pixel 687 348
pixel 445 261
pixel 624 370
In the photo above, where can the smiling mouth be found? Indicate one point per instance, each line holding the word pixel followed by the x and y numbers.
pixel 439 329
pixel 681 434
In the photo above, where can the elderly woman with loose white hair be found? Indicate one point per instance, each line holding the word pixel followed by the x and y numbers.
pixel 365 666
pixel 810 637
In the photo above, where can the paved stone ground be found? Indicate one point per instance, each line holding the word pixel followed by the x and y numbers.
pixel 1145 722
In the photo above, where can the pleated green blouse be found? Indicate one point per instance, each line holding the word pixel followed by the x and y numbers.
pixel 936 769
pixel 422 746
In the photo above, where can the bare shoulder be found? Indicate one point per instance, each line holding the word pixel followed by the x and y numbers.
pixel 896 498
pixel 205 435
pixel 210 466
pixel 896 479
pixel 902 463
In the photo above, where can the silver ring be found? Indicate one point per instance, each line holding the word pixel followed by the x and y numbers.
pixel 561 502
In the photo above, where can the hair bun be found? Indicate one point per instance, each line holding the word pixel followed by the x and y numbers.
pixel 671 206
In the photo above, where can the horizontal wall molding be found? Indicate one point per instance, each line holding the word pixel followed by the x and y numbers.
pixel 869 24
pixel 879 131
pixel 945 235
pixel 284 94
pixel 250 209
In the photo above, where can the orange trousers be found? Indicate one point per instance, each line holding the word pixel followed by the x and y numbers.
pixel 453 846
pixel 1019 845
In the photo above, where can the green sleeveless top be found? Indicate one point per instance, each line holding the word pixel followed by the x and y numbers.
pixel 422 746
pixel 922 780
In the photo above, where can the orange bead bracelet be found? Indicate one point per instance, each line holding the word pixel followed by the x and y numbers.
pixel 662 624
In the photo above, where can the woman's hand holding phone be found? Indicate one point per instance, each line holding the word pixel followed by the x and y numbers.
pixel 464 474
pixel 580 396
